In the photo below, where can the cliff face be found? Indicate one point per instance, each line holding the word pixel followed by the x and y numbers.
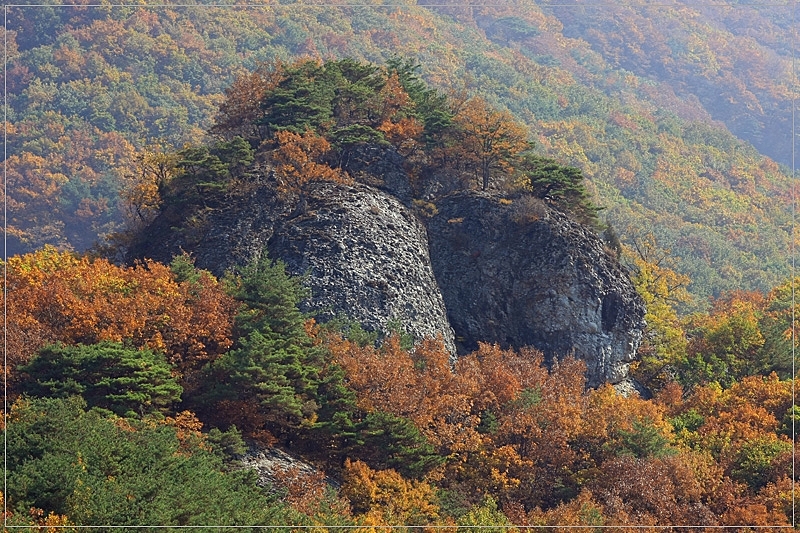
pixel 512 272
pixel 226 237
pixel 518 273
pixel 367 259
pixel 364 253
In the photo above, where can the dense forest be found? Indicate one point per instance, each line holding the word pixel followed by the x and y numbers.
pixel 134 389
pixel 141 407
pixel 92 90
pixel 141 385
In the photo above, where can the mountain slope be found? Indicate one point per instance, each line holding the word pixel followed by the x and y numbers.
pixel 91 89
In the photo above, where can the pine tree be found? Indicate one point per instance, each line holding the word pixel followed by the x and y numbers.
pixel 561 186
pixel 124 380
pixel 274 364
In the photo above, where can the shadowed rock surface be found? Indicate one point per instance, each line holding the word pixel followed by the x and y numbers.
pixel 520 274
pixel 223 238
pixel 512 272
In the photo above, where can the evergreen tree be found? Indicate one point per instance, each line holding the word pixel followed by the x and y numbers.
pixel 270 297
pixel 124 380
pixel 274 363
pixel 429 106
pixel 386 441
pixel 301 101
pixel 109 471
pixel 275 374
pixel 644 440
pixel 561 186
pixel 236 154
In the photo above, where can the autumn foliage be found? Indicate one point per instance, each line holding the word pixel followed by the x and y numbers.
pixel 60 297
pixel 554 453
pixel 413 437
pixel 495 438
pixel 297 159
pixel 490 140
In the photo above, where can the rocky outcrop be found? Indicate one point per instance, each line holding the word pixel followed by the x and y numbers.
pixel 219 238
pixel 366 257
pixel 275 467
pixel 382 168
pixel 518 273
pixel 507 271
pixel 364 254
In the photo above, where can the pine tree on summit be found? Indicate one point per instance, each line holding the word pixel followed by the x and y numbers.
pixel 301 101
pixel 559 185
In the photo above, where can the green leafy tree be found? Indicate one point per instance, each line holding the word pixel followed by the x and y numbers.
pixel 237 154
pixel 272 373
pixel 726 343
pixel 270 297
pixel 124 380
pixel 429 105
pixel 301 101
pixel 644 440
pixel 776 327
pixel 664 343
pixel 336 428
pixel 357 87
pixel 199 161
pixel 754 461
pixel 486 517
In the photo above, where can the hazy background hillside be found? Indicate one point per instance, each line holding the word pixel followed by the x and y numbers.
pixel 680 116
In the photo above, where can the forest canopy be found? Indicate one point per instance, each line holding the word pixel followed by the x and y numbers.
pixel 135 389
pixel 497 439
pixel 95 90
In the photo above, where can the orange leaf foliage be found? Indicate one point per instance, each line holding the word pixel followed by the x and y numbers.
pixel 297 159
pixel 383 497
pixel 490 140
pixel 59 297
pixel 306 491
pixel 240 110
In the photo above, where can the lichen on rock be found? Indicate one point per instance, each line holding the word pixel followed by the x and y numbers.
pixel 366 258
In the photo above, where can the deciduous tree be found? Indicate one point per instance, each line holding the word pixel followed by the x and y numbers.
pixel 491 140
pixel 299 160
pixel 60 297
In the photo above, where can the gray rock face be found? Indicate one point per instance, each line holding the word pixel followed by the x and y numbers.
pixel 381 168
pixel 229 236
pixel 273 464
pixel 367 259
pixel 516 273
pixel 366 255
pixel 521 274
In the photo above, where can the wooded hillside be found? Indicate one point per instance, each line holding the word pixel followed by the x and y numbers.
pixel 139 384
pixel 637 98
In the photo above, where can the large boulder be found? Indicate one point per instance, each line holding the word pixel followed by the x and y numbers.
pixel 362 253
pixel 508 271
pixel 366 257
pixel 518 273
